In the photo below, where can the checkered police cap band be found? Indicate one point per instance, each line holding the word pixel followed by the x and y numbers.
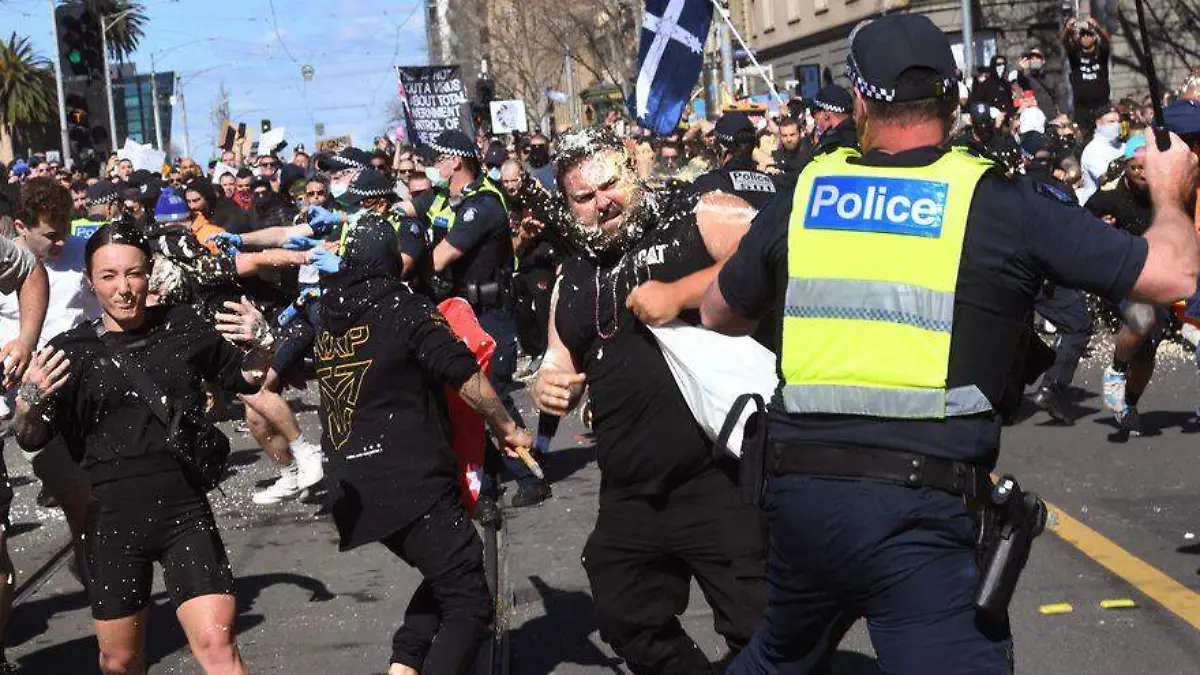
pixel 347 162
pixel 831 107
pixel 106 198
pixel 881 93
pixel 367 194
pixel 445 150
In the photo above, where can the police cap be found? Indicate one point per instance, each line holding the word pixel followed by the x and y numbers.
pixel 351 158
pixel 369 184
pixel 731 124
pixel 454 143
pixel 103 192
pixel 882 49
pixel 1183 117
pixel 834 99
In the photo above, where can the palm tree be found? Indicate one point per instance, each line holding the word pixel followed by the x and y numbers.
pixel 27 93
pixel 127 30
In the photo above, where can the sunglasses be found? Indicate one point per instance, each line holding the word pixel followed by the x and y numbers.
pixel 267 164
pixel 318 193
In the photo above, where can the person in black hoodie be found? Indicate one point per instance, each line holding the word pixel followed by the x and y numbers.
pixel 385 357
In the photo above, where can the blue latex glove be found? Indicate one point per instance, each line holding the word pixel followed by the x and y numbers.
pixel 227 240
pixel 301 243
pixel 326 261
pixel 322 220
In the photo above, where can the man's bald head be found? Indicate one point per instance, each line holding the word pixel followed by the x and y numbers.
pixel 511 175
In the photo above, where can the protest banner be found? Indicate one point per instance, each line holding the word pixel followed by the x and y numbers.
pixel 436 100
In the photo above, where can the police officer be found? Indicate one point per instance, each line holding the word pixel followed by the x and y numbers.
pixel 473 255
pixel 911 272
pixel 739 174
pixel 835 126
pixel 103 206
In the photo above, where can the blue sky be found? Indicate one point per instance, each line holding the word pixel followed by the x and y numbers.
pixel 352 44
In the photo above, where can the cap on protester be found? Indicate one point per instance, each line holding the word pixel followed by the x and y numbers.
pixel 19 168
pixel 1135 143
pixel 1034 53
pixel 496 154
pixel 455 143
pixel 1033 142
pixel 103 192
pixel 731 124
pixel 834 99
pixel 351 158
pixel 882 49
pixel 260 182
pixel 370 184
pixel 171 208
pixel 1031 119
pixel 1183 117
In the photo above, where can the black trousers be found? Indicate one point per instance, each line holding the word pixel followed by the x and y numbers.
pixel 642 556
pixel 1064 308
pixel 449 614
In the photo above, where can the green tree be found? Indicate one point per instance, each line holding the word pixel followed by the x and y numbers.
pixel 128 20
pixel 27 94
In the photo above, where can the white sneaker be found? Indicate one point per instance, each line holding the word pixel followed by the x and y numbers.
pixel 308 459
pixel 287 487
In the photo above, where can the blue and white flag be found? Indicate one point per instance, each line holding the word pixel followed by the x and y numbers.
pixel 669 60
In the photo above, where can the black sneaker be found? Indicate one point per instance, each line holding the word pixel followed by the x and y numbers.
pixel 531 495
pixel 487 512
pixel 1051 401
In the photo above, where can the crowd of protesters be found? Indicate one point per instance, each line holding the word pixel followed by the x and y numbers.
pixel 296 255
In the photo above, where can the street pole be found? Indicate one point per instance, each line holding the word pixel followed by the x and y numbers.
pixel 968 32
pixel 724 13
pixel 154 104
pixel 726 61
pixel 570 65
pixel 62 96
pixel 108 97
pixel 187 140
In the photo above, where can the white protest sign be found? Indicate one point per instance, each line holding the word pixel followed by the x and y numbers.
pixel 509 116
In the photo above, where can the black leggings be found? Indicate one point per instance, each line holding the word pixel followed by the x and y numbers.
pixel 452 603
pixel 136 522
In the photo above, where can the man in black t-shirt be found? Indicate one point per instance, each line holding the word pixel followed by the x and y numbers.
pixel 669 511
pixel 1088 51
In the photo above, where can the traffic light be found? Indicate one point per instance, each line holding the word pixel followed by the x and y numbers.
pixel 79 53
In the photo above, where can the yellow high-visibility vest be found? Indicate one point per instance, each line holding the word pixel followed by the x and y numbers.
pixel 873 262
pixel 442 214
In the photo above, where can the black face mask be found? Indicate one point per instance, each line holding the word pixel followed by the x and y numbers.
pixel 539 156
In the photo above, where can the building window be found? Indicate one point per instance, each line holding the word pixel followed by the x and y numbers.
pixel 793 10
pixel 766 9
pixel 820 6
pixel 808 77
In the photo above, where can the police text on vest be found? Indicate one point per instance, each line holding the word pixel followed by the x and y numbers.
pixel 876 204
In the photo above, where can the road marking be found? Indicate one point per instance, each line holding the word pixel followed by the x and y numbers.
pixel 1174 596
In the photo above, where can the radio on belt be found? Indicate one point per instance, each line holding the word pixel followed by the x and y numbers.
pixel 876 204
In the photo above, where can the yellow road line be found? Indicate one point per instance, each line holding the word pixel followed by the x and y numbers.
pixel 1174 596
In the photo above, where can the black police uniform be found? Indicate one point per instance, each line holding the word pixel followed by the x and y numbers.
pixel 1066 309
pixel 483 276
pixel 903 554
pixel 668 512
pixel 739 176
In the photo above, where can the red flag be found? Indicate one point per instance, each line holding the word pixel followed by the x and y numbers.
pixel 469 432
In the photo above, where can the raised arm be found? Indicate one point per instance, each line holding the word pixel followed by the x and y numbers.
pixel 1173 259
pixel 722 219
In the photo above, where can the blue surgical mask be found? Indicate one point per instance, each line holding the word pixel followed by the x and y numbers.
pixel 336 190
pixel 494 173
pixel 435 177
pixel 1109 132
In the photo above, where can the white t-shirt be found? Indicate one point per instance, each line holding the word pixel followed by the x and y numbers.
pixel 1096 157
pixel 71 301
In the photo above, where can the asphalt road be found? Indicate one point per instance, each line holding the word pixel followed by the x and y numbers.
pixel 305 608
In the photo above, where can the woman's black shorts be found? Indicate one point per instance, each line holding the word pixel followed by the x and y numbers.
pixel 136 522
